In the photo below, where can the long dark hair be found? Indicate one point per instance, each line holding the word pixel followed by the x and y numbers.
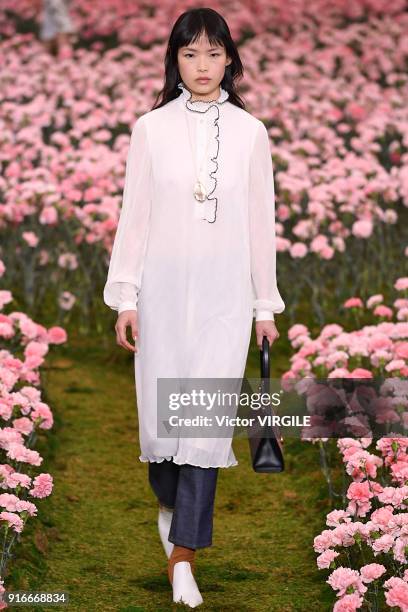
pixel 188 28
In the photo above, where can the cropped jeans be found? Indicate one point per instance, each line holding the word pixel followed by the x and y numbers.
pixel 190 491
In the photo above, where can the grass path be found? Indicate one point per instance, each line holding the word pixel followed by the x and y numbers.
pixel 96 536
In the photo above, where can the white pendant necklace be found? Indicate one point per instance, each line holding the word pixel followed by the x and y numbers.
pixel 206 208
pixel 200 191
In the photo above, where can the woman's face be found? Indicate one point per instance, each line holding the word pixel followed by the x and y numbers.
pixel 201 59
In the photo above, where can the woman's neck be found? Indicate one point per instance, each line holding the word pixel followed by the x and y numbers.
pixel 213 95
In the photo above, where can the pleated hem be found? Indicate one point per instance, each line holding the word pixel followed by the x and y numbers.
pixel 154 459
pixel 182 460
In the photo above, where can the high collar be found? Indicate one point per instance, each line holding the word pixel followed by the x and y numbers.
pixel 200 105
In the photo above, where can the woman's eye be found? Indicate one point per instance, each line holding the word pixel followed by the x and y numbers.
pixel 190 54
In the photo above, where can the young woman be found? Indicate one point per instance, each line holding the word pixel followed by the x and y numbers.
pixel 193 260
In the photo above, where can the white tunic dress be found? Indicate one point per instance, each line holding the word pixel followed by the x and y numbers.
pixel 195 272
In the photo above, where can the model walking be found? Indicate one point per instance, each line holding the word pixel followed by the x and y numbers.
pixel 57 28
pixel 193 260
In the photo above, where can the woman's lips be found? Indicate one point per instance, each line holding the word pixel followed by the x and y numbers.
pixel 203 80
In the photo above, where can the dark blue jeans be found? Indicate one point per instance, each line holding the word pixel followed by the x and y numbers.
pixel 190 491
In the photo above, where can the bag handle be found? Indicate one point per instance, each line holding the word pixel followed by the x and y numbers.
pixel 266 373
pixel 264 354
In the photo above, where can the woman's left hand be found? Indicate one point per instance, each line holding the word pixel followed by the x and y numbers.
pixel 266 328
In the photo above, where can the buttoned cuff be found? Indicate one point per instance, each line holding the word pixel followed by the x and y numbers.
pixel 264 315
pixel 126 306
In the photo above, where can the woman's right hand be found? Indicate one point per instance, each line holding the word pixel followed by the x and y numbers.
pixel 127 317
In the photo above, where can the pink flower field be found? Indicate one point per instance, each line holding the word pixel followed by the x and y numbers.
pixel 329 79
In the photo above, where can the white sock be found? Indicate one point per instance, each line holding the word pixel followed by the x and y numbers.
pixel 185 588
pixel 164 523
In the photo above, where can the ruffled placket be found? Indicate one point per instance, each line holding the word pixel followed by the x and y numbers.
pixel 208 115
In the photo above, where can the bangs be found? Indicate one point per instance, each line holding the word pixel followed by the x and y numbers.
pixel 195 30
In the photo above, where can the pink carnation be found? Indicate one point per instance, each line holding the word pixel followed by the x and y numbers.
pixel 26 506
pixel 31 238
pixel 348 603
pixel 336 517
pixel 374 300
pixel 372 571
pixel 383 544
pixel 13 520
pixel 43 413
pixel 298 249
pixel 395 365
pixel 401 283
pixel 354 302
pixel 343 579
pixel 19 452
pixel 397 596
pixel 323 561
pixel 359 495
pixel 16 479
pixel 362 229
pixel 297 330
pixel 24 425
pixel 56 335
pixel 38 349
pixel 43 484
pixel 9 501
pixel 383 311
pixel 5 298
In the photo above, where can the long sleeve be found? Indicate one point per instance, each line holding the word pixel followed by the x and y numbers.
pixel 262 229
pixel 126 262
pixel 127 297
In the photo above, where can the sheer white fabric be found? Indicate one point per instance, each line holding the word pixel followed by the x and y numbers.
pixel 127 297
pixel 128 301
pixel 196 273
pixel 262 227
pixel 129 247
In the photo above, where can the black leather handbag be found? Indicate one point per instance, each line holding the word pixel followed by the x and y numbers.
pixel 266 441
